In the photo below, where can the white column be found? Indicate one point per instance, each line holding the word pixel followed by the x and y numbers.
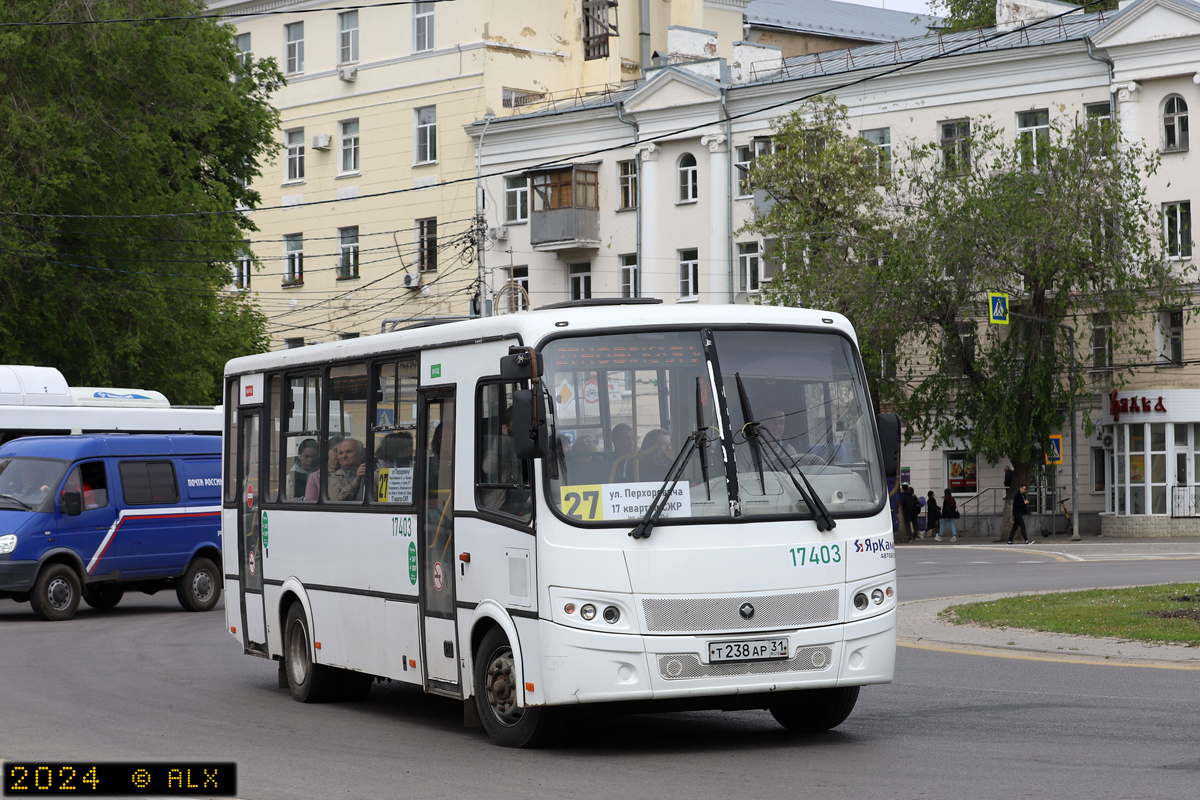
pixel 1127 112
pixel 718 270
pixel 648 202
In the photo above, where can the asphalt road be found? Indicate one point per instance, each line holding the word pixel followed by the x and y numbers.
pixel 148 680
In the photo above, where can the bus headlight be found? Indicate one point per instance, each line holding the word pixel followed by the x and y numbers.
pixel 877 596
pixel 860 601
pixel 587 611
pixel 8 543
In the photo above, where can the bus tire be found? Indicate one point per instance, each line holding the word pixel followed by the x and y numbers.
pixel 308 682
pixel 814 710
pixel 103 595
pixel 355 686
pixel 56 593
pixel 496 698
pixel 199 588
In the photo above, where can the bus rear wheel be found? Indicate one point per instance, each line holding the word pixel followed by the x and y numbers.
pixel 814 710
pixel 103 595
pixel 496 692
pixel 308 682
pixel 55 594
pixel 200 586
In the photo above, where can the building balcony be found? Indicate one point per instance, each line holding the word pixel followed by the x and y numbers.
pixel 565 229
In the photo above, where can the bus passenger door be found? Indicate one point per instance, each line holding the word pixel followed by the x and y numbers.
pixel 437 546
pixel 250 551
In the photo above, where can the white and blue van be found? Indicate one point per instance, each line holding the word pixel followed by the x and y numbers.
pixel 91 517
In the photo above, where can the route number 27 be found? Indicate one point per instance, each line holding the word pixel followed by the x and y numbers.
pixel 581 503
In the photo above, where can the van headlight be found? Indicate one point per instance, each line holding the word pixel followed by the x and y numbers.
pixel 8 543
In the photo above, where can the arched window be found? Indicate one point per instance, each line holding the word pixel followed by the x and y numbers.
pixel 1175 124
pixel 689 180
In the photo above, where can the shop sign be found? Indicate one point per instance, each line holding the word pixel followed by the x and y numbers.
pixel 1132 405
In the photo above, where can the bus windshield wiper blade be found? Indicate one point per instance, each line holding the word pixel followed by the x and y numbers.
pixel 659 503
pixel 18 501
pixel 825 520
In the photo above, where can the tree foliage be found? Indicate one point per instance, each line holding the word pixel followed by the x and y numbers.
pixel 125 148
pixel 1060 222
pixel 959 15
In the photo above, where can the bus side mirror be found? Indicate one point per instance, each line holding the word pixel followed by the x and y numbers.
pixel 889 442
pixel 529 440
pixel 517 365
pixel 71 503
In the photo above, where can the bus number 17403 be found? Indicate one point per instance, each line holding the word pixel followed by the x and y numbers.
pixel 816 555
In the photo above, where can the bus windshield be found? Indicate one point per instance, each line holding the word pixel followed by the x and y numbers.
pixel 25 483
pixel 624 405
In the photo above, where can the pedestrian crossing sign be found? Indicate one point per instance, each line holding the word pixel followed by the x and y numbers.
pixel 998 308
pixel 1054 453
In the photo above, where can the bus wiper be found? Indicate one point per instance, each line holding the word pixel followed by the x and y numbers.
pixel 696 439
pixel 19 502
pixel 781 460
pixel 703 444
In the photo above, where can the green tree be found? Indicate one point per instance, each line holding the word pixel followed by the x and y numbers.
pixel 959 15
pixel 1058 220
pixel 126 146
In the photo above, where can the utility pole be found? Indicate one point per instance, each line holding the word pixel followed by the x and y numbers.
pixel 481 218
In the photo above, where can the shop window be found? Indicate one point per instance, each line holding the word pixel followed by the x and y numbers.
pixel 960 469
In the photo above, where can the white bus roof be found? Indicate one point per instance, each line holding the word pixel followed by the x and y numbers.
pixel 533 326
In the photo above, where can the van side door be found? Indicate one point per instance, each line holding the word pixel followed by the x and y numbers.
pixel 89 532
pixel 152 520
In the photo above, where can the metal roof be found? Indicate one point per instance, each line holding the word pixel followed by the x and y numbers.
pixel 844 20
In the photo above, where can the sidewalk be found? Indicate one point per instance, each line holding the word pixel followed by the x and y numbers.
pixel 919 626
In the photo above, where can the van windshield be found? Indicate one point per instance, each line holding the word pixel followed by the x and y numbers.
pixel 26 483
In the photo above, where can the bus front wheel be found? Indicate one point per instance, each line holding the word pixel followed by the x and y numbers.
pixel 308 682
pixel 496 692
pixel 814 710
pixel 55 594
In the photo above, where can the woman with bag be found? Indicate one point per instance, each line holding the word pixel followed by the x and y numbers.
pixel 949 514
pixel 933 516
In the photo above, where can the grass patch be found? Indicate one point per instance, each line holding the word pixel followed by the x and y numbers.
pixel 1163 614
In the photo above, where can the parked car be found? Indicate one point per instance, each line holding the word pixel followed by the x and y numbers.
pixel 91 517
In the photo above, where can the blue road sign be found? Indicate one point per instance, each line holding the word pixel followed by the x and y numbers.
pixel 1054 454
pixel 998 308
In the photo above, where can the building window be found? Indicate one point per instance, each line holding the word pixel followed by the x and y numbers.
pixel 1175 124
pixel 749 267
pixel 519 98
pixel 962 355
pixel 516 199
pixel 956 146
pixel 627 175
pixel 344 337
pixel 581 281
pixel 1033 136
pixel 744 159
pixel 243 49
pixel 1177 228
pixel 423 27
pixel 426 131
pixel 427 244
pixel 1099 470
pixel 348 255
pixel 689 275
pixel 961 473
pixel 882 139
pixel 631 282
pixel 293 259
pixel 350 146
pixel 689 179
pixel 1099 113
pixel 1102 341
pixel 566 188
pixel 242 268
pixel 294 48
pixel 292 344
pixel 597 28
pixel 295 155
pixel 348 37
pixel 1171 324
pixel 514 296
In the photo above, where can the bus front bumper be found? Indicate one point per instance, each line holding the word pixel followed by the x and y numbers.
pixel 589 667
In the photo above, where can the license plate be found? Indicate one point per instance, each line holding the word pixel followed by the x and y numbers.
pixel 748 650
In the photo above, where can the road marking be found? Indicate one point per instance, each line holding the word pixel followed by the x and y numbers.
pixel 1061 557
pixel 927 562
pixel 979 562
pixel 1031 562
pixel 989 653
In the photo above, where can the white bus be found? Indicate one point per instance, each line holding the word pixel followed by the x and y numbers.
pixel 36 401
pixel 693 514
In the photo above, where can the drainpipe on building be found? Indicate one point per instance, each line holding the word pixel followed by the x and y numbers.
pixel 729 191
pixel 1112 94
pixel 637 212
pixel 644 38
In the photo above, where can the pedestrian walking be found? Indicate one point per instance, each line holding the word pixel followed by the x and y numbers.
pixel 933 516
pixel 907 522
pixel 1018 512
pixel 914 513
pixel 949 514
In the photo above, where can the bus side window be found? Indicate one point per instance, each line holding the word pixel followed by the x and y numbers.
pixel 502 478
pixel 394 428
pixel 347 403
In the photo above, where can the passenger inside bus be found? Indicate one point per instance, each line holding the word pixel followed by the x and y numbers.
pixel 502 468
pixel 656 456
pixel 307 462
pixel 313 488
pixel 348 481
pixel 624 454
pixel 775 421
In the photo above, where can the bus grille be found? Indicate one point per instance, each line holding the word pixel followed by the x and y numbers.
pixel 714 614
pixel 678 666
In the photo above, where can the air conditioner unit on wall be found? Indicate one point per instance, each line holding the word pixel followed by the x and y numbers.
pixel 348 74
pixel 1107 441
pixel 498 232
pixel 412 280
pixel 320 141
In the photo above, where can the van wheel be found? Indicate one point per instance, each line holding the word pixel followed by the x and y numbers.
pixel 308 682
pixel 200 587
pixel 496 698
pixel 55 594
pixel 103 595
pixel 814 710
